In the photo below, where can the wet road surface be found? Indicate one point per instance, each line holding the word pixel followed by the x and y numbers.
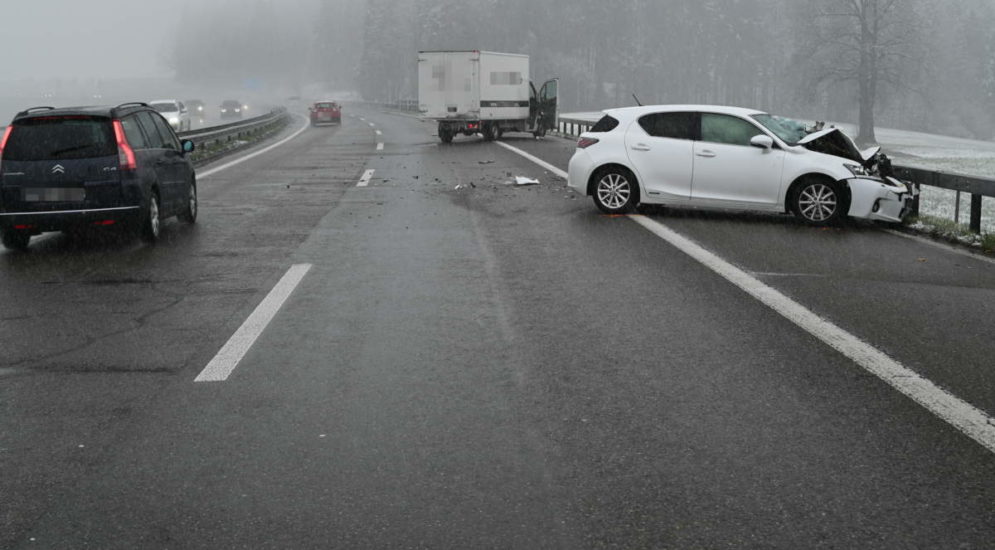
pixel 487 366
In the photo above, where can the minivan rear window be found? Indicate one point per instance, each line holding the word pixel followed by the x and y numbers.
pixel 326 105
pixel 60 138
pixel 606 124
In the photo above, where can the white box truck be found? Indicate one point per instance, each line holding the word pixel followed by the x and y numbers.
pixel 489 93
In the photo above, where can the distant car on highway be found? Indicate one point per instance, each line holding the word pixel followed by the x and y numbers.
pixel 231 108
pixel 733 158
pixel 196 108
pixel 63 169
pixel 175 112
pixel 326 112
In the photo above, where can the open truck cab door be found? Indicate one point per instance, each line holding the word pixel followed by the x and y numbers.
pixel 544 108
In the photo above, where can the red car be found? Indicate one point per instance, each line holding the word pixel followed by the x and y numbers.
pixel 326 112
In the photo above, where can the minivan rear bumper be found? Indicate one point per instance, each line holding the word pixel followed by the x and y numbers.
pixel 59 220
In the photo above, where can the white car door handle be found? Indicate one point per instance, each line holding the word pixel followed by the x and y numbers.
pixel 640 147
pixel 707 154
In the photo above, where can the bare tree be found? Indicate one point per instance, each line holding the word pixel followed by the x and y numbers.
pixel 866 42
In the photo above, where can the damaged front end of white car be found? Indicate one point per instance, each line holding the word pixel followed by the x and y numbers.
pixel 874 191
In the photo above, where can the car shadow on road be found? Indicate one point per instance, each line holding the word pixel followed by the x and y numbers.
pixel 93 242
pixel 665 213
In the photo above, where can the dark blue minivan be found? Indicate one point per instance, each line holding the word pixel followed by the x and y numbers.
pixel 63 169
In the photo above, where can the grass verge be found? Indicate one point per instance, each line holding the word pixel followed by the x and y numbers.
pixel 948 230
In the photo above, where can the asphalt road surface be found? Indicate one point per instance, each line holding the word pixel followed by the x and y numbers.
pixel 462 363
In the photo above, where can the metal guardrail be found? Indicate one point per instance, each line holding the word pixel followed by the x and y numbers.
pixel 977 188
pixel 402 105
pixel 227 133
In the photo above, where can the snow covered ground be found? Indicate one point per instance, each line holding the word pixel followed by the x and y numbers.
pixel 930 152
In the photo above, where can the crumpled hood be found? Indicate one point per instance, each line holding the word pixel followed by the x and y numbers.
pixel 832 141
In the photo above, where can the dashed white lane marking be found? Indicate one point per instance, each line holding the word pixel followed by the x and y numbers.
pixel 379 133
pixel 372 125
pixel 215 170
pixel 380 147
pixel 970 420
pixel 224 363
pixel 365 180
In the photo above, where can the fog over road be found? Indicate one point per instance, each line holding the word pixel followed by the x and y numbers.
pixel 487 366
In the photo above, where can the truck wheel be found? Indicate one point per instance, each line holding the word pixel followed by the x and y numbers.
pixel 489 132
pixel 446 136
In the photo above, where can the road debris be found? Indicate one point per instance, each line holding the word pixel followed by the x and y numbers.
pixel 521 180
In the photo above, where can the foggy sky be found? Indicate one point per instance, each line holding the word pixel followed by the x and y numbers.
pixel 86 38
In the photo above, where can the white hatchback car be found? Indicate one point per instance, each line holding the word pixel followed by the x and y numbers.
pixel 733 158
pixel 175 112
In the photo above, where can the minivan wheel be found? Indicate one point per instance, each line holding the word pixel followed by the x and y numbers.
pixel 151 221
pixel 615 191
pixel 189 213
pixel 818 202
pixel 16 240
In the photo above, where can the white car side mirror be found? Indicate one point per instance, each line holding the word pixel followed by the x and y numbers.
pixel 763 142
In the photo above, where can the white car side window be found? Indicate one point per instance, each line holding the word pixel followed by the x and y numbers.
pixel 727 129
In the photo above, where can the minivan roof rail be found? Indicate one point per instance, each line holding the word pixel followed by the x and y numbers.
pixel 26 111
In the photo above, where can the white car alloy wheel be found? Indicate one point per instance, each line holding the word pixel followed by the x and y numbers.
pixel 613 193
pixel 818 203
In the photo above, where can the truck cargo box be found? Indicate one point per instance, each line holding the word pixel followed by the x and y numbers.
pixel 473 85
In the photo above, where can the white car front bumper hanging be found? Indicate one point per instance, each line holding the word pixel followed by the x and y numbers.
pixel 880 199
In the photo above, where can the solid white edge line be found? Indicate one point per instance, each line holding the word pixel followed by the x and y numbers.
pixel 942 246
pixel 228 358
pixel 212 171
pixel 960 414
pixel 365 180
pixel 534 159
pixel 970 420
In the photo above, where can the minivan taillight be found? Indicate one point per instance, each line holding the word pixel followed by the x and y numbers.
pixel 584 143
pixel 125 154
pixel 3 142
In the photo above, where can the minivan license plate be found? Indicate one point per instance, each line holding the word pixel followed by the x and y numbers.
pixel 54 194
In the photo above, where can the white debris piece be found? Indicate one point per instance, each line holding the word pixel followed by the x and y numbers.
pixel 521 180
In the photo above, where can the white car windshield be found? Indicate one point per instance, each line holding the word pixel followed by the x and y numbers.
pixel 789 130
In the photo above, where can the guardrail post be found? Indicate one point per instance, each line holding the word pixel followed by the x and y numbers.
pixel 976 213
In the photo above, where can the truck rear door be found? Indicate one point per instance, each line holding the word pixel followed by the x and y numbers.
pixel 549 105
